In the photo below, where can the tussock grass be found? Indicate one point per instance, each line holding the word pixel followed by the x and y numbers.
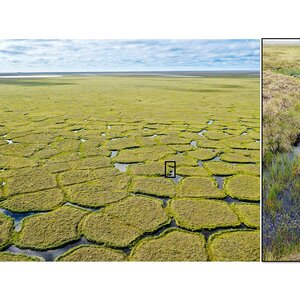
pixel 281 131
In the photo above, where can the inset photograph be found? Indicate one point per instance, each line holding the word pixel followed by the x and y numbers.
pixel 281 149
pixel 130 150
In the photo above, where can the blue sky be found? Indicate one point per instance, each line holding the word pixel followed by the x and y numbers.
pixel 127 55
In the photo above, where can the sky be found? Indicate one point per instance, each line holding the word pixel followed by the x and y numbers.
pixel 282 41
pixel 127 55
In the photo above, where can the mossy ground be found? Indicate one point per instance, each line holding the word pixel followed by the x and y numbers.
pixel 92 253
pixel 235 246
pixel 196 214
pixel 173 245
pixel 68 133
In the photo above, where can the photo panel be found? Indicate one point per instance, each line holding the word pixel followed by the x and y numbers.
pixel 134 150
pixel 281 149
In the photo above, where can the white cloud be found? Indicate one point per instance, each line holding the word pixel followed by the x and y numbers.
pixel 106 55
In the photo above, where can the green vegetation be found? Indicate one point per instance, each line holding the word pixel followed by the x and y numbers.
pixel 84 157
pixel 8 256
pixel 92 194
pixel 6 228
pixel 243 187
pixel 234 246
pixel 195 214
pixel 200 187
pixel 119 224
pixel 158 186
pixel 38 201
pixel 249 214
pixel 50 230
pixel 92 253
pixel 281 131
pixel 172 245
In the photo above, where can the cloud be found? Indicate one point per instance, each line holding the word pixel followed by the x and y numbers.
pixel 127 55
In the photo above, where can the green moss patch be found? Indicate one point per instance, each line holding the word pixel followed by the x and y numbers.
pixel 149 168
pixel 30 180
pixel 195 214
pixel 233 157
pixel 249 214
pixel 200 187
pixel 92 253
pixel 123 143
pixel 204 154
pixel 119 224
pixel 182 159
pixel 38 201
pixel 243 187
pixel 172 245
pixel 158 186
pixel 234 246
pixel 50 230
pixel 90 163
pixel 142 154
pixel 75 176
pixel 93 194
pixel 6 228
pixel 191 171
pixel 8 256
pixel 220 168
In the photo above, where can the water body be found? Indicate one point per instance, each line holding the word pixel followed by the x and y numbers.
pixel 121 167
pixel 218 73
pixel 210 122
pixel 194 143
pixel 114 153
pixel 220 181
pixel 18 217
pixel 30 76
pixel 49 255
pixel 177 178
pixel 217 158
pixel 201 132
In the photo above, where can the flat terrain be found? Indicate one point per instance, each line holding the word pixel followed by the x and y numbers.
pixel 82 168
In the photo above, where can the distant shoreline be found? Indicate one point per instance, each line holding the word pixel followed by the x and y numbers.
pixel 187 74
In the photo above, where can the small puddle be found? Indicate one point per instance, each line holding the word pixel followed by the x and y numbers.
pixel 244 133
pixel 230 200
pixel 200 164
pixel 220 181
pixel 210 122
pixel 108 126
pixel 201 132
pixel 49 255
pixel 194 143
pixel 217 158
pixel 153 136
pixel 103 134
pixel 82 140
pixel 18 217
pixel 121 167
pixel 177 179
pixel 3 183
pixel 9 142
pixel 114 153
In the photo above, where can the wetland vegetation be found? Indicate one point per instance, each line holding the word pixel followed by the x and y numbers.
pixel 281 149
pixel 82 163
